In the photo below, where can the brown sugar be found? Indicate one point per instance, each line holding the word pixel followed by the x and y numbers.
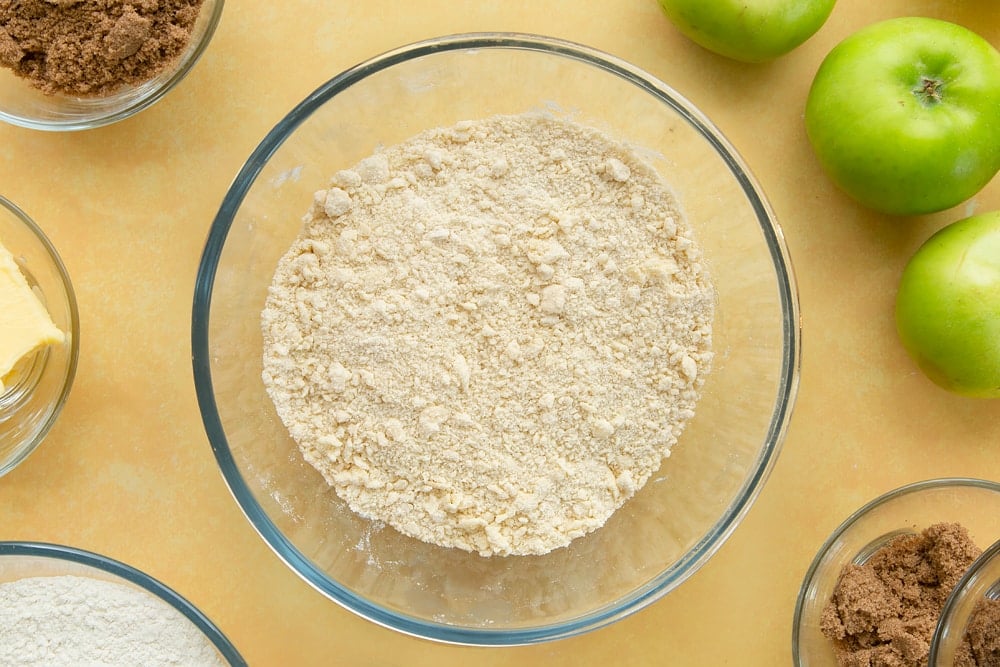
pixel 93 47
pixel 884 611
pixel 981 645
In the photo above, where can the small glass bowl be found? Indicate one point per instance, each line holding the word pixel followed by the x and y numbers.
pixel 24 105
pixel 29 407
pixel 20 560
pixel 981 581
pixel 973 503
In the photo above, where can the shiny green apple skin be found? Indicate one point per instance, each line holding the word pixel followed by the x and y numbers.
pixel 948 306
pixel 904 115
pixel 752 31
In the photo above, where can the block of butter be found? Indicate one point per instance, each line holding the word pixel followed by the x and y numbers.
pixel 25 324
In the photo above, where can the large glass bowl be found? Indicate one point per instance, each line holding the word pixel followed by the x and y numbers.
pixel 30 406
pixel 24 105
pixel 21 560
pixel 686 511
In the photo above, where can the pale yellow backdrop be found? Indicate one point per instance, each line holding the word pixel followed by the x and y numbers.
pixel 128 471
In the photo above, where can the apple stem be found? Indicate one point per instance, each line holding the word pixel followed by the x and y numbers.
pixel 929 91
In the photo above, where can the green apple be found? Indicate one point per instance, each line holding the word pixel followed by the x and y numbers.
pixel 948 306
pixel 749 30
pixel 904 115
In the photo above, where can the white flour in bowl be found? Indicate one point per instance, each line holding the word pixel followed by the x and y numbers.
pixel 489 336
pixel 75 621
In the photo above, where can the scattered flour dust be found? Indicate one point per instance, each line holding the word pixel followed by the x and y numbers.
pixel 73 621
pixel 489 336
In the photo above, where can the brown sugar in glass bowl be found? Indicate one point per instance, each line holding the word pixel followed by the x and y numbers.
pixel 972 503
pixel 78 64
pixel 884 610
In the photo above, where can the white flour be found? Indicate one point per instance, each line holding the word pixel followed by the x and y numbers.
pixel 490 335
pixel 76 621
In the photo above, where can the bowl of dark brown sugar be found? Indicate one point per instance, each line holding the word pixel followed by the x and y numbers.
pixel 495 339
pixel 78 64
pixel 910 579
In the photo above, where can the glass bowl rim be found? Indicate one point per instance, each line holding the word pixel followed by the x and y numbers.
pixel 989 555
pixel 190 59
pixel 8 465
pixel 659 585
pixel 852 519
pixel 135 576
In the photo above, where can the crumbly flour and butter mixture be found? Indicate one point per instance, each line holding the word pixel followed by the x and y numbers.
pixel 490 335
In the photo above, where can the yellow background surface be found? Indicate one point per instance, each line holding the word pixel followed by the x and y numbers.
pixel 128 471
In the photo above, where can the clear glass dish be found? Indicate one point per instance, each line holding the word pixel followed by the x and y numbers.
pixel 676 522
pixel 24 105
pixel 30 406
pixel 981 582
pixel 20 560
pixel 972 503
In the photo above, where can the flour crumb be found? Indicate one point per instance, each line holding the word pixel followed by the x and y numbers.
pixel 335 202
pixel 490 335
